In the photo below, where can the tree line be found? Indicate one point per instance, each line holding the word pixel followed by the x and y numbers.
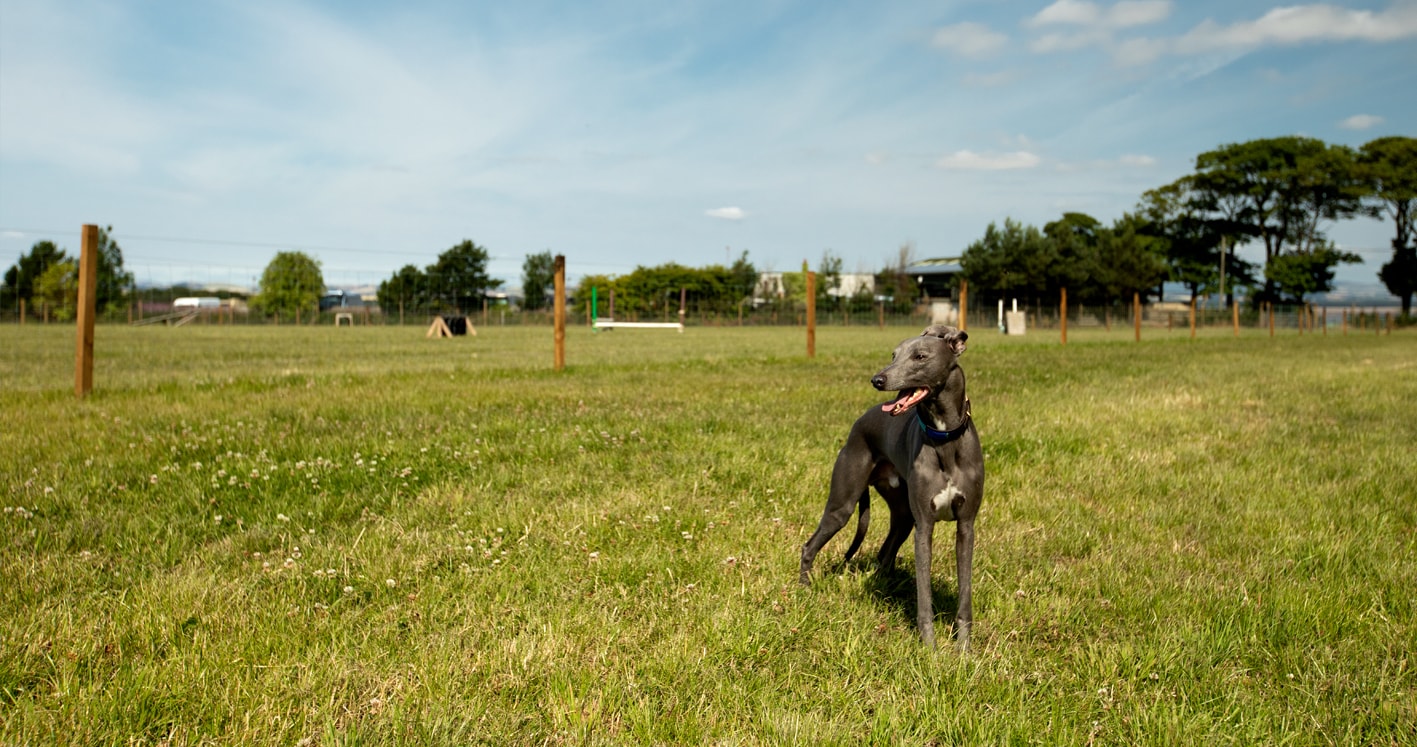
pixel 1282 193
pixel 47 277
pixel 456 282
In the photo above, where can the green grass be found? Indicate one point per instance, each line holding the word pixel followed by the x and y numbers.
pixel 310 536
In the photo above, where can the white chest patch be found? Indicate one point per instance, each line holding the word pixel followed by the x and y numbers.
pixel 943 503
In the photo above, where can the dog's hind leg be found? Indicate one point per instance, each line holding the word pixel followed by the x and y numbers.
pixel 849 477
pixel 901 524
pixel 833 519
pixel 863 521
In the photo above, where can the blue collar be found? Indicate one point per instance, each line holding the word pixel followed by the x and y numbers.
pixel 943 437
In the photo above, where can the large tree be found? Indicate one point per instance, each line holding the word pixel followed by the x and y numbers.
pixel 743 277
pixel 291 281
pixel 21 276
pixel 828 281
pixel 1282 191
pixel 1389 166
pixel 538 275
pixel 1298 273
pixel 459 280
pixel 1075 238
pixel 657 289
pixel 112 281
pixel 1128 260
pixel 1197 234
pixel 1013 261
pixel 406 290
pixel 57 289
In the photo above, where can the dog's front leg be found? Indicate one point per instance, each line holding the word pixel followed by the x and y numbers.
pixel 964 568
pixel 924 597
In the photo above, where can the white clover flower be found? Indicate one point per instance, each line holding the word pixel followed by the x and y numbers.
pixel 391 583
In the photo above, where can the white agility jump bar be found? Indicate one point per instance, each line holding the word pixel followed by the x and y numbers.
pixel 599 324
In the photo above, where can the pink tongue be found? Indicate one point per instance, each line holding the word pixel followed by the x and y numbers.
pixel 906 402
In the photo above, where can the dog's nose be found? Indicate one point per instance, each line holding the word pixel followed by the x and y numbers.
pixel 879 382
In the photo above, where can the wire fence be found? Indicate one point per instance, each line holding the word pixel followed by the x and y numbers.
pixel 1169 316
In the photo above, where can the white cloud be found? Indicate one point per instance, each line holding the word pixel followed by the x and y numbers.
pixel 1049 43
pixel 1078 24
pixel 969 39
pixel 1299 24
pixel 727 213
pixel 1066 11
pixel 1361 122
pixel 1132 159
pixel 1088 24
pixel 966 160
pixel 1124 14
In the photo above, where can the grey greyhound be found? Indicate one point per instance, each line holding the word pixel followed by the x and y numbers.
pixel 929 467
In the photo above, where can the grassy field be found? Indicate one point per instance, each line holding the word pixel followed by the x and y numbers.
pixel 359 536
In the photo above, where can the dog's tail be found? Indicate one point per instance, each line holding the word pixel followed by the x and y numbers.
pixel 863 507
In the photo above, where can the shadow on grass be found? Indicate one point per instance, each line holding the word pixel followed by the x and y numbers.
pixel 894 588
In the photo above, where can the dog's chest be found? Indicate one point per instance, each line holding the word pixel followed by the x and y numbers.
pixel 943 501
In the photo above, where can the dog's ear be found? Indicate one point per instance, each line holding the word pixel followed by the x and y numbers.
pixel 956 338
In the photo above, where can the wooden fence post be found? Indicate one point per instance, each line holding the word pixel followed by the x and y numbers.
pixel 811 314
pixel 1193 317
pixel 1136 315
pixel 1063 309
pixel 559 268
pixel 88 287
pixel 963 304
pixel 1235 317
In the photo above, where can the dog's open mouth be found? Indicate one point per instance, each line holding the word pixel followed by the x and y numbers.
pixel 908 398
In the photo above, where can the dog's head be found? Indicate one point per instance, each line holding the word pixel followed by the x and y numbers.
pixel 920 367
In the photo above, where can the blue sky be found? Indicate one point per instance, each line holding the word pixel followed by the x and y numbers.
pixel 372 135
